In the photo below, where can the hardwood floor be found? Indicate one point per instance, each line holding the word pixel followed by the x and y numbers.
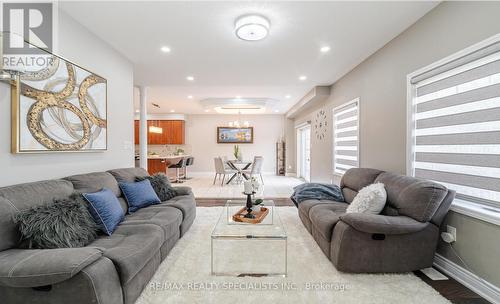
pixel 450 289
pixel 453 290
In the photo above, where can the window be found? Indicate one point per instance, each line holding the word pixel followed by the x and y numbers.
pixel 346 137
pixel 454 123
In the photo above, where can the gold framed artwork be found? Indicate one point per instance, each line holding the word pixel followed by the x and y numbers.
pixel 234 135
pixel 60 108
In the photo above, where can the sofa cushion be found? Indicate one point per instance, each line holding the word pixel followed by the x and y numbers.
pixel 139 195
pixel 411 196
pixel 9 234
pixel 358 178
pixel 131 247
pixel 349 194
pixel 306 205
pixel 128 175
pixel 185 203
pixel 161 185
pixel 93 182
pixel 64 224
pixel 324 217
pixel 371 199
pixel 40 267
pixel 23 196
pixel 105 209
pixel 168 218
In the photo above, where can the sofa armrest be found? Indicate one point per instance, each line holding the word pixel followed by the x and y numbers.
pixel 40 267
pixel 383 224
pixel 183 190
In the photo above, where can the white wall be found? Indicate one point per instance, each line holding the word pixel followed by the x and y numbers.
pixel 78 45
pixel 201 136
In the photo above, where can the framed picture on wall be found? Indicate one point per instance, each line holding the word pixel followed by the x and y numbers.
pixel 234 135
pixel 60 108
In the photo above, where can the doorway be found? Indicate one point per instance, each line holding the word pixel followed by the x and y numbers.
pixel 304 153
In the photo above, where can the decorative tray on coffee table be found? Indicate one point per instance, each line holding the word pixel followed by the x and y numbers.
pixel 259 215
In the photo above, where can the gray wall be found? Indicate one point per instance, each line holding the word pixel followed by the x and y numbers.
pixel 380 83
pixel 82 47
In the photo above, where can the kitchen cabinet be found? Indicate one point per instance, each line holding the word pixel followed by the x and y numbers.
pixel 173 132
pixel 157 166
pixel 136 132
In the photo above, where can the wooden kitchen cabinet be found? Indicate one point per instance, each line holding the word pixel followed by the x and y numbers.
pixel 157 166
pixel 136 132
pixel 155 138
pixel 177 132
pixel 173 132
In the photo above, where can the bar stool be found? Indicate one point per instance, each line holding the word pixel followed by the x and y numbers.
pixel 178 166
pixel 189 162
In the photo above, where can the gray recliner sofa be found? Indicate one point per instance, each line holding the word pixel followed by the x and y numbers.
pixel 402 238
pixel 112 269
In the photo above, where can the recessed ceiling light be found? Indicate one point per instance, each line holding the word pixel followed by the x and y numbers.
pixel 238 97
pixel 276 111
pixel 172 111
pixel 288 96
pixel 190 78
pixel 251 27
pixel 207 110
pixel 165 49
pixel 302 77
pixel 324 49
pixel 190 96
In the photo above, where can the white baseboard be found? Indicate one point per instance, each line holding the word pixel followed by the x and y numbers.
pixel 483 288
pixel 291 174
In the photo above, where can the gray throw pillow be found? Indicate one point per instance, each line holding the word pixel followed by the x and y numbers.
pixel 161 185
pixel 66 223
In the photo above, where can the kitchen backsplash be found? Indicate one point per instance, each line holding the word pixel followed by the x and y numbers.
pixel 166 149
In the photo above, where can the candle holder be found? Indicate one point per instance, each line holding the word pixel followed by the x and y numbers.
pixel 249 205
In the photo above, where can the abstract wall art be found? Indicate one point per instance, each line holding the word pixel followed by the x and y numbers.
pixel 234 135
pixel 60 108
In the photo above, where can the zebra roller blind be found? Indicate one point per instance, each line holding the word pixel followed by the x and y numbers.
pixel 456 126
pixel 346 137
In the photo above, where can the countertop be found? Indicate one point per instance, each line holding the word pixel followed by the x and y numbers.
pixel 166 156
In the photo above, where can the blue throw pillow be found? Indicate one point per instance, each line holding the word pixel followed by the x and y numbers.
pixel 139 195
pixel 105 209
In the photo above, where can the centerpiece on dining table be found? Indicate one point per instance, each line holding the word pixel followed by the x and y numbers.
pixel 253 212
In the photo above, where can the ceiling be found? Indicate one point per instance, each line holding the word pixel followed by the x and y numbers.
pixel 202 44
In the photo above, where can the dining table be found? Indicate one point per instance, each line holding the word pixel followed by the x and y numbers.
pixel 239 166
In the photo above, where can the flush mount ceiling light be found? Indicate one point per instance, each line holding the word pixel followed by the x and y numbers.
pixel 165 49
pixel 251 27
pixel 247 105
pixel 324 49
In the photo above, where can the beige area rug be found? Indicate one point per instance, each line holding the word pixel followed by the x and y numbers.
pixel 184 277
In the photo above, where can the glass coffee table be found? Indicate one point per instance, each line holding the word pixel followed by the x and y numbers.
pixel 243 249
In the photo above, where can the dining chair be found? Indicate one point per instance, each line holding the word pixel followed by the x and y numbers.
pixel 221 170
pixel 256 168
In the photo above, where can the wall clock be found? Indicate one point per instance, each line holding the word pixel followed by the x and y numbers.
pixel 320 124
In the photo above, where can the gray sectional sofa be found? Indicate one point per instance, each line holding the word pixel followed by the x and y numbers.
pixel 111 270
pixel 402 238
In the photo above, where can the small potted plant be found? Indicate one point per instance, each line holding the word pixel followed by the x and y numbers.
pixel 258 204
